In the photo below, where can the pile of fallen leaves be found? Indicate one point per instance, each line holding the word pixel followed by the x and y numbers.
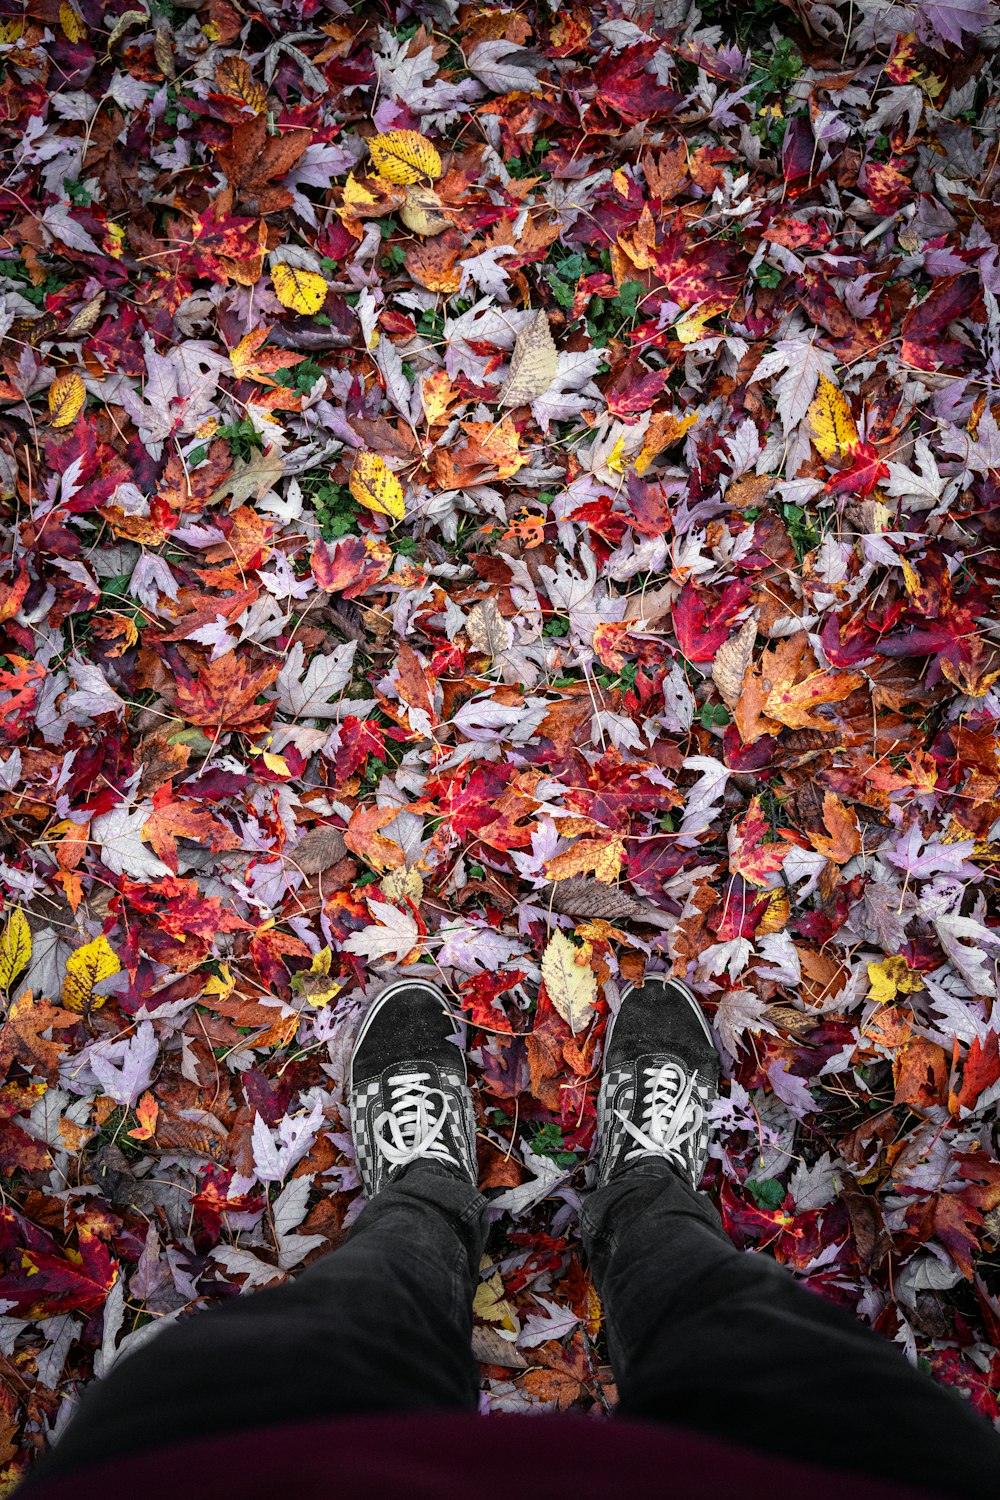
pixel 510 496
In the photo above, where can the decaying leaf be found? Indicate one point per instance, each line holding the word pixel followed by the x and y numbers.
pixel 404 156
pixel 375 486
pixel 66 397
pixel 571 984
pixel 319 849
pixel 533 364
pixel 487 629
pixel 85 969
pixel 15 947
pixel 731 662
pixel 300 291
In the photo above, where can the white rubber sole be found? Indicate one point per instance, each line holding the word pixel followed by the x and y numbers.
pixel 380 1000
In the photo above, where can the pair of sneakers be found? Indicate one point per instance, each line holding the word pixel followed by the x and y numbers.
pixel 410 1099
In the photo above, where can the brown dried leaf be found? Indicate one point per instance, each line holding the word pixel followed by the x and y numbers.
pixel 319 849
pixel 533 364
pixel 731 662
pixel 487 629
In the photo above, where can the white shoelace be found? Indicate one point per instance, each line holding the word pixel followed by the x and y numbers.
pixel 416 1117
pixel 671 1114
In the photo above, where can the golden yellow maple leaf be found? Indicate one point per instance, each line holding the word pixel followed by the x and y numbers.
pixel 891 977
pixel 834 432
pixel 66 397
pixel 300 291
pixel 221 984
pixel 375 486
pixel 404 156
pixel 15 948
pixel 84 970
pixel 490 1303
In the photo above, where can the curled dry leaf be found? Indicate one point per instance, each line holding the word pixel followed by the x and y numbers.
pixel 731 662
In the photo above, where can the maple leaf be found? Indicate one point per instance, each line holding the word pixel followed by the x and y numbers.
pixel 173 818
pixel 224 695
pixel 749 856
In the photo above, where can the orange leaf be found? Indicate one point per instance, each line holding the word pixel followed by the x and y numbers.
pixel 172 820
pixel 844 841
pixel 362 837
pixel 146 1111
pixel 224 695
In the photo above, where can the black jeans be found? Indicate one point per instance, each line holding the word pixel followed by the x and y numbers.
pixel 700 1336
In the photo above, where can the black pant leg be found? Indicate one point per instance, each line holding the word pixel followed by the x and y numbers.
pixel 704 1337
pixel 384 1323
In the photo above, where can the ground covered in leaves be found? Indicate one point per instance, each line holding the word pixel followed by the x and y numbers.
pixel 509 495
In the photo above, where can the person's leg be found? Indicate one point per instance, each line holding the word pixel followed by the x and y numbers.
pixel 384 1323
pixel 704 1337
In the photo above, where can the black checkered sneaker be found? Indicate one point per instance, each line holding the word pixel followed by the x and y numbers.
pixel 409 1099
pixel 661 1076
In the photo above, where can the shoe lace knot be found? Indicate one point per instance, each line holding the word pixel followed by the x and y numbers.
pixel 672 1114
pixel 413 1123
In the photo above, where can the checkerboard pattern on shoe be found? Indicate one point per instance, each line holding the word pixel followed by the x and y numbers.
pixel 661 1077
pixel 409 1099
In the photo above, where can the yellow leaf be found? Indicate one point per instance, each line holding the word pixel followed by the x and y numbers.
pixel 616 460
pixel 834 432
pixel 776 913
pixel 891 977
pixel 421 212
pixel 221 984
pixel 375 486
pixel 15 948
pixel 276 763
pixel 356 195
pixel 691 327
pixel 404 156
pixel 570 981
pixel 66 397
pixel 490 1303
pixel 300 291
pixel 71 23
pixel 315 982
pixel 911 578
pixel 84 970
pixel 603 856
